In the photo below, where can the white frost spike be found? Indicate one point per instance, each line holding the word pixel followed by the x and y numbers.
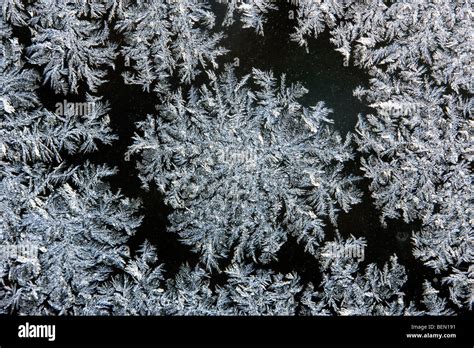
pixel 311 126
pixel 37 153
pixel 7 106
pixel 366 41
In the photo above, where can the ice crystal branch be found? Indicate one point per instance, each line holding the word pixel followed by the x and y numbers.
pixel 70 47
pixel 347 291
pixel 164 38
pixel 251 13
pixel 67 215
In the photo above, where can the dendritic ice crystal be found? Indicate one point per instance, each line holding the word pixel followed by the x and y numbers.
pixel 244 168
pixel 240 166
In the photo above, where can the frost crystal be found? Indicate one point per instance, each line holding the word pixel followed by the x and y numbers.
pixel 70 46
pixel 244 168
pixel 164 38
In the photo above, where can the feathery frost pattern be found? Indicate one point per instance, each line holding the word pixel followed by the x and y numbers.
pixel 244 168
pixel 242 164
